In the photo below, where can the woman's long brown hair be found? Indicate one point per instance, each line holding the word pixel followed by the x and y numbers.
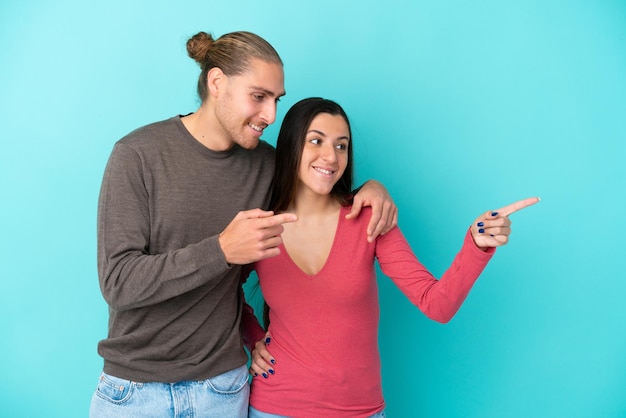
pixel 289 147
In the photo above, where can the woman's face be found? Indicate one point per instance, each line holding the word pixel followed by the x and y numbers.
pixel 325 153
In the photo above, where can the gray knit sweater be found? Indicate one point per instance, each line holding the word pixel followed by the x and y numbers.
pixel 174 302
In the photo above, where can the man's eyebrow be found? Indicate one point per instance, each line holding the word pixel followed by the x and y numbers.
pixel 268 92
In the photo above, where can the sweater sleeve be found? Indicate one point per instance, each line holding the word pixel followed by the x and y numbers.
pixel 437 299
pixel 130 275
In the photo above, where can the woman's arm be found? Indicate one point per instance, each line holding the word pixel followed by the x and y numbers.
pixel 441 299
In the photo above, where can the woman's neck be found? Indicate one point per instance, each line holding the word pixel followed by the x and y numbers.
pixel 309 240
pixel 310 205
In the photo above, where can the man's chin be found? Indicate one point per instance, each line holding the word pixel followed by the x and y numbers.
pixel 249 144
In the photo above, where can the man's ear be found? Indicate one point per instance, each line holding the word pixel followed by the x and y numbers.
pixel 215 81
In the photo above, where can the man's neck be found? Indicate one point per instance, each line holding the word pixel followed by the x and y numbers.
pixel 203 126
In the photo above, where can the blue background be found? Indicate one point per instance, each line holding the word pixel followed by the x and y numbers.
pixel 457 107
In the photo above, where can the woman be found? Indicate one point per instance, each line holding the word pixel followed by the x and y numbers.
pixel 321 289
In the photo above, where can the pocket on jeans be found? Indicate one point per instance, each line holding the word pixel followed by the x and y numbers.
pixel 114 389
pixel 229 383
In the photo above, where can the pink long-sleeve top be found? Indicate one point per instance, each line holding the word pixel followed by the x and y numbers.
pixel 324 327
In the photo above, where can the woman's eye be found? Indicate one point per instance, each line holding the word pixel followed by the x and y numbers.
pixel 315 141
pixel 342 147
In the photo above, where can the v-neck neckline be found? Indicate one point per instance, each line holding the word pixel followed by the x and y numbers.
pixel 342 213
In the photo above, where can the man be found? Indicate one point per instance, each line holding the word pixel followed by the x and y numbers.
pixel 179 213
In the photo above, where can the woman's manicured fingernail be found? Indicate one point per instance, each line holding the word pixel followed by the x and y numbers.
pixel 267 340
pixel 494 213
pixel 481 231
pixel 265 375
pixel 255 374
pixel 273 361
pixel 480 224
pixel 271 371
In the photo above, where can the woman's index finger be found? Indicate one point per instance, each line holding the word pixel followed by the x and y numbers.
pixel 519 205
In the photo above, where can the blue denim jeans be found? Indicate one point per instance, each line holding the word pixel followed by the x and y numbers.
pixel 255 413
pixel 225 396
